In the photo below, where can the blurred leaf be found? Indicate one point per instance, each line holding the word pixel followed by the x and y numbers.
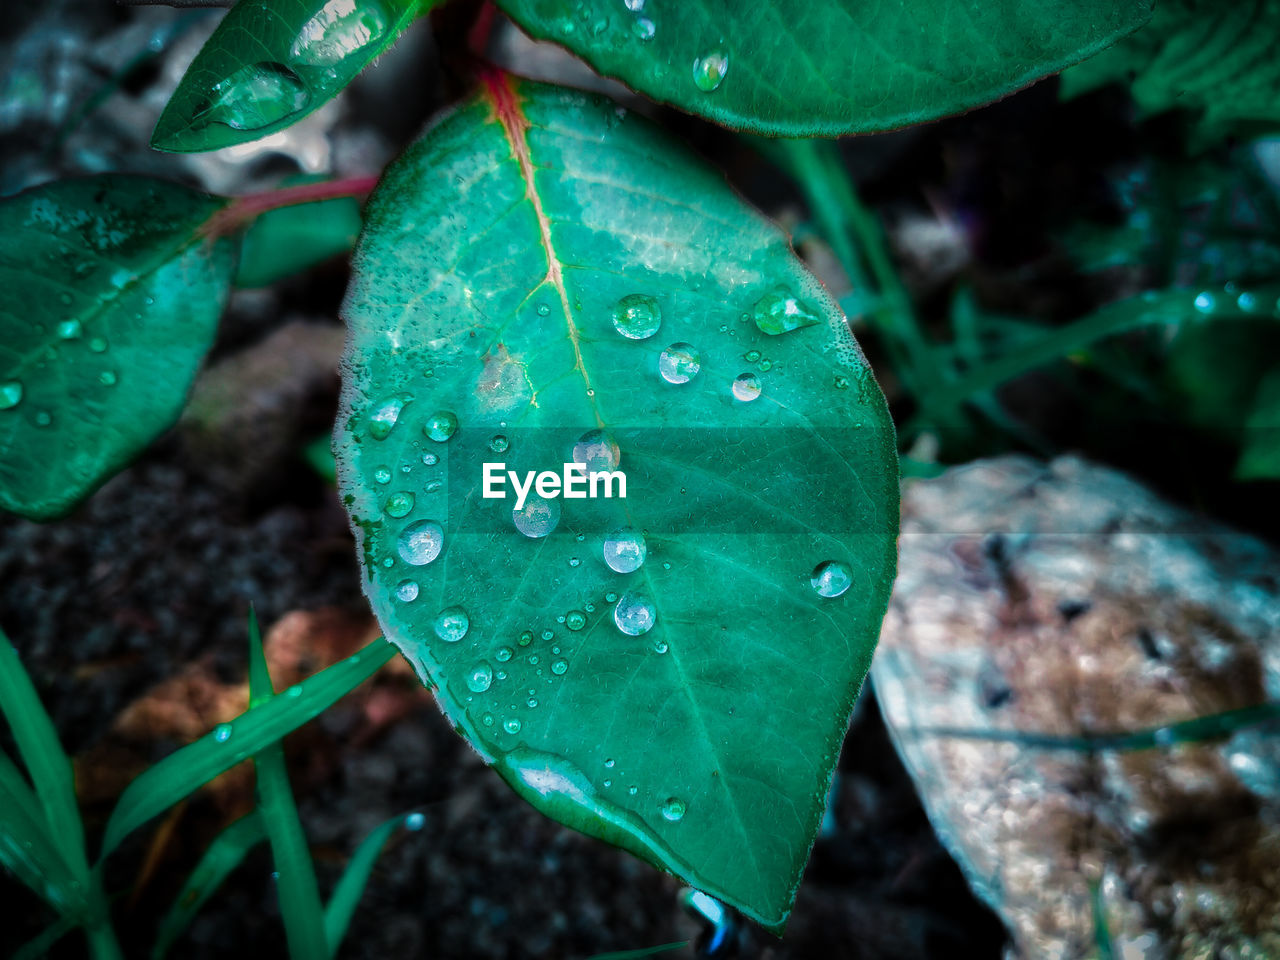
pixel 640 953
pixel 295 875
pixel 1213 372
pixel 319 456
pixel 702 733
pixel 272 62
pixel 110 300
pixel 1260 456
pixel 27 849
pixel 177 775
pixel 802 68
pixel 223 855
pixel 289 240
pixel 39 945
pixel 346 895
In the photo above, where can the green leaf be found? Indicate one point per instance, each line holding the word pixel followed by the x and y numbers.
pixel 295 876
pixel 223 855
pixel 272 62
pixel 827 67
pixel 1216 59
pixel 346 895
pixel 1260 455
pixel 161 786
pixel 500 253
pixel 26 848
pixel 110 297
pixel 289 240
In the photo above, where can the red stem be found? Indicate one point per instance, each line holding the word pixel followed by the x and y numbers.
pixel 242 210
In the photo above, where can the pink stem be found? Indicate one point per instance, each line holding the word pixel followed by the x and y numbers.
pixel 244 209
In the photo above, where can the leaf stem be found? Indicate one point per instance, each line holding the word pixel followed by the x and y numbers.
pixel 243 210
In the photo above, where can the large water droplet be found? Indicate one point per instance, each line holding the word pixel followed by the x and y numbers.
pixel 624 550
pixel 399 504
pixel 255 96
pixel 480 678
pixel 559 667
pixel 709 70
pixel 781 310
pixel 679 363
pixel 452 624
pixel 385 416
pixel 831 578
pixel 339 29
pixel 407 590
pixel 440 425
pixel 597 451
pixel 637 316
pixel 537 517
pixel 634 614
pixel 746 387
pixel 673 809
pixel 420 542
pixel 10 394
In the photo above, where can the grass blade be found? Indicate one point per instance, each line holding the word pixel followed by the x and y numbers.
pixel 342 903
pixel 26 848
pixel 295 875
pixel 224 854
pixel 38 946
pixel 42 752
pixel 182 772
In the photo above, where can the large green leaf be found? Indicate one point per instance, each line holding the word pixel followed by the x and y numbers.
pixel 271 62
pixel 828 67
pixel 500 253
pixel 109 299
pixel 1217 59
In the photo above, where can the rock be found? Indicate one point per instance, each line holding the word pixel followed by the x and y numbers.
pixel 1067 600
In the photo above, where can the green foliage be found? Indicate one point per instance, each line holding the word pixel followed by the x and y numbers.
pixel 514 262
pixel 272 62
pixel 290 240
pixel 111 297
pixel 1260 456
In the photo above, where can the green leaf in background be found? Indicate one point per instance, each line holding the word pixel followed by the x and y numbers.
pixel 289 240
pixel 544 279
pixel 1212 57
pixel 109 300
pixel 1260 453
pixel 271 62
pixel 828 67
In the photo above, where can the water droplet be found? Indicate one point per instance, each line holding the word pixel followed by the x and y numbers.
pixel 597 451
pixel 709 70
pixel 382 475
pixel 420 542
pixel 660 646
pixel 222 732
pixel 781 310
pixel 70 330
pixel 339 29
pixel 98 345
pixel 10 394
pixel 399 504
pixel 609 764
pixel 487 719
pixel 624 550
pixel 385 416
pixel 503 654
pixel 255 96
pixel 633 790
pixel 765 365
pixel 643 28
pixel 511 725
pixel 498 443
pixel 414 822
pixel 841 383
pixel 440 425
pixel 673 809
pixel 679 363
pixel 480 678
pixel 575 561
pixel 107 378
pixel 543 310
pixel 294 691
pixel 548 634
pixel 575 620
pixel 433 486
pixel 751 356
pixel 43 418
pixel 452 624
pixel 532 702
pixel 831 578
pixel 1247 302
pixel 537 517
pixel 608 783
pixel 407 590
pixel 526 638
pixel 637 316
pixel 430 459
pixel 746 387
pixel 559 667
pixel 634 614
pixel 1205 302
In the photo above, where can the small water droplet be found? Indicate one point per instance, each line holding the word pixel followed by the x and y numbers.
pixel 407 590
pixel 430 459
pixel 643 28
pixel 537 517
pixel 70 330
pixel 107 378
pixel 385 416
pixel 498 443
pixel 480 678
pixel 504 654
pixel 222 732
pixel 841 383
pixel 511 725
pixel 399 504
pixel 575 620
pixel 781 310
pixel 660 646
pixel 339 29
pixel 98 345
pixel 609 764
pixel 709 70
pixel 525 638
pixel 255 96
pixel 487 719
pixel 452 624
pixel 10 394
pixel 543 310
pixel 1205 302
pixel 574 561
pixel 382 475
pixel 624 550
pixel 679 363
pixel 831 578
pixel 294 691
pixel 637 316
pixel 634 614
pixel 532 702
pixel 548 634
pixel 420 542
pixel 440 425
pixel 610 597
pixel 751 356
pixel 633 790
pixel 43 418
pixel 746 387
pixel 414 822
pixel 673 809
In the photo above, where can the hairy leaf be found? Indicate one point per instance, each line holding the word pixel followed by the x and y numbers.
pixel 828 67
pixel 514 263
pixel 272 62
pixel 110 298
